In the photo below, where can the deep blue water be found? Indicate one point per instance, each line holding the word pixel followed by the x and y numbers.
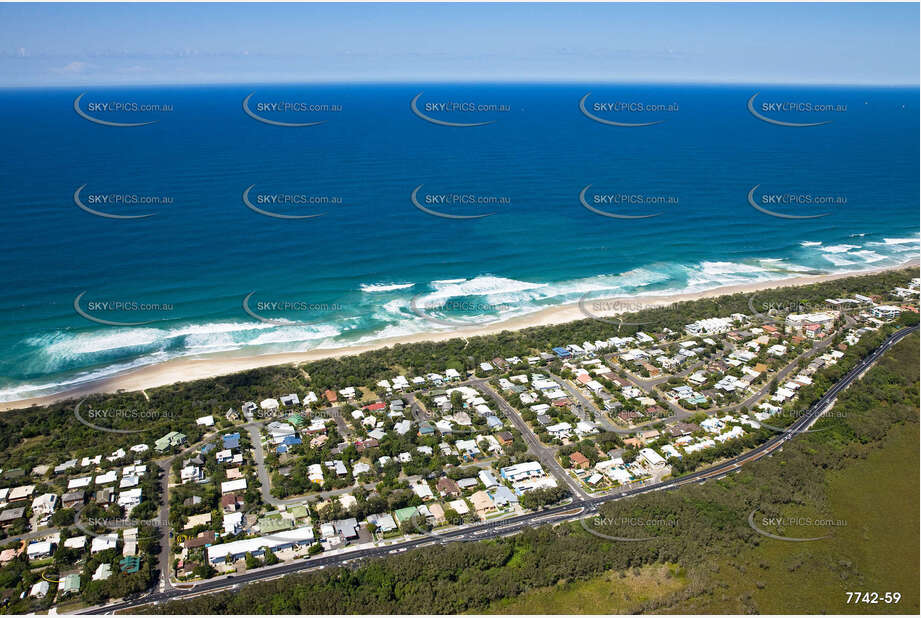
pixel 367 257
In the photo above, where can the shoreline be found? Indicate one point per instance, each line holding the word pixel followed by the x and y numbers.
pixel 208 366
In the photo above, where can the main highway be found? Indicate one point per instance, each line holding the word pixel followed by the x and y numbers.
pixel 578 508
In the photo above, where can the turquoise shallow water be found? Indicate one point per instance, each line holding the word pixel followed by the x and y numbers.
pixel 374 265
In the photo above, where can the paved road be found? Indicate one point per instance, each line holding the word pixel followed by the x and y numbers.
pixel 336 414
pixel 780 377
pixel 680 413
pixel 580 507
pixel 545 455
pixel 265 483
pixel 586 404
pixel 648 385
pixel 163 467
pixel 28 536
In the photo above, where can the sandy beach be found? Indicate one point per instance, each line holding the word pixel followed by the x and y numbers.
pixel 207 366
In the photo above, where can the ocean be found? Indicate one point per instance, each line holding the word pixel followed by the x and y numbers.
pixel 342 237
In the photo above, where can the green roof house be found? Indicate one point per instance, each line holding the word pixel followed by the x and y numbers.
pixel 173 438
pixel 298 512
pixel 405 514
pixel 70 583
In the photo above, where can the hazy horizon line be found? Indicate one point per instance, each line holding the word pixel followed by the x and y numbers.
pixel 491 82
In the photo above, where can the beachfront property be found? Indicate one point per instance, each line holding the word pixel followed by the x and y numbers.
pixel 713 326
pixel 170 440
pixel 886 312
pixel 813 325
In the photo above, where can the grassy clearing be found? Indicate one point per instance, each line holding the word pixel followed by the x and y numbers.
pixel 876 551
pixel 877 498
pixel 611 593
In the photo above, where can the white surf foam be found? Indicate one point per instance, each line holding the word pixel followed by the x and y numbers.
pixel 868 256
pixel 384 287
pixel 839 248
pixel 837 260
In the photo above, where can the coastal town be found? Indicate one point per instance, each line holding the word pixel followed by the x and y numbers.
pixel 446 308
pixel 294 476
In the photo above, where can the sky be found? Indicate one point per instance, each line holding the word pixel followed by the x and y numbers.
pixel 120 44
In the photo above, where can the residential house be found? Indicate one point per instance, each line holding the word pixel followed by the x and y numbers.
pixel 482 504
pixel 447 487
pixel 170 440
pixel 487 478
pixel 578 460
pixel 69 584
pixel 73 499
pixel 504 497
pixel 44 505
pixel 438 513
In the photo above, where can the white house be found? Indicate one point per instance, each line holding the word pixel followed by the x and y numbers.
pixel 44 504
pixel 103 542
pixel 39 549
pixel 709 326
pixel 652 458
pixel 39 589
pixel 290 400
pixel 521 471
pixel 560 430
pixel 228 487
pixel 886 312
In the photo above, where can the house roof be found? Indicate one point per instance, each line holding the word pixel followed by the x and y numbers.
pixel 229 500
pixel 503 495
pixel 447 485
pixel 70 583
pixel 12 514
pixel 203 539
pixel 405 514
pixel 481 501
pixel 231 440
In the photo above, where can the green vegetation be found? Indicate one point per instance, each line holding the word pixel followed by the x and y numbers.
pixel 868 554
pixel 39 435
pixel 611 593
pixel 52 434
pixel 871 553
pixel 703 529
pixel 537 498
pixel 707 533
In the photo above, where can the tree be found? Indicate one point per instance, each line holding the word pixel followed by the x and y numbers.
pixel 252 562
pixel 205 571
pixel 63 517
pixel 537 498
pixel 270 557
pixel 453 517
